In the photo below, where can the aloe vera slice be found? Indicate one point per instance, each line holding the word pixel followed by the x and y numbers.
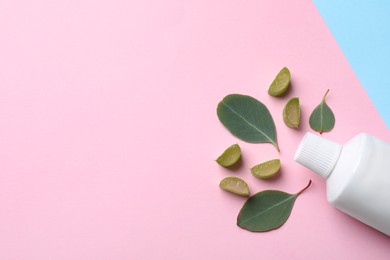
pixel 292 113
pixel 235 185
pixel 281 83
pixel 266 169
pixel 230 156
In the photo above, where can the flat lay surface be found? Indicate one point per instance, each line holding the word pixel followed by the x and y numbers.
pixel 109 131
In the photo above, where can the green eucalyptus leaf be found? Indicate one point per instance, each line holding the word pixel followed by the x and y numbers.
pixel 322 118
pixel 267 210
pixel 248 119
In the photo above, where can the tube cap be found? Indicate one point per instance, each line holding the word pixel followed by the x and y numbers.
pixel 318 154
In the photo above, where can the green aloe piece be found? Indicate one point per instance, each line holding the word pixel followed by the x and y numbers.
pixel 267 210
pixel 230 156
pixel 322 118
pixel 266 169
pixel 235 185
pixel 248 119
pixel 292 113
pixel 280 84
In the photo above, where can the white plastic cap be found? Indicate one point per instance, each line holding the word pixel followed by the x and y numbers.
pixel 318 154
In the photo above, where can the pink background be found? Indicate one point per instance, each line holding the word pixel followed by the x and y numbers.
pixel 108 129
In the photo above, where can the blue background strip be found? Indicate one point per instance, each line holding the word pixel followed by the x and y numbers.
pixel 362 30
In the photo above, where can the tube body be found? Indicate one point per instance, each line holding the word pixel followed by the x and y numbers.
pixel 357 175
pixel 359 184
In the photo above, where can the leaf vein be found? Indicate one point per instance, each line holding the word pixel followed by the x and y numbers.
pixel 249 123
pixel 268 209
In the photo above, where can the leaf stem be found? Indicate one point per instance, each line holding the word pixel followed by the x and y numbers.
pixel 326 93
pixel 307 186
pixel 276 146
